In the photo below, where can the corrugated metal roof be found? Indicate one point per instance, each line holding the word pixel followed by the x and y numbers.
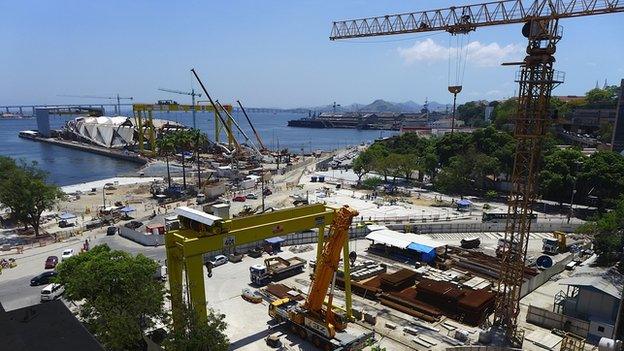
pixel 402 240
pixel 199 216
pixel 389 237
pixel 601 279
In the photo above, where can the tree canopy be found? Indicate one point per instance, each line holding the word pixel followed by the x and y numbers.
pixel 119 297
pixel 195 336
pixel 608 232
pixel 25 191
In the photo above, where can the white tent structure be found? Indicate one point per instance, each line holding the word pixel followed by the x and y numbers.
pixel 110 132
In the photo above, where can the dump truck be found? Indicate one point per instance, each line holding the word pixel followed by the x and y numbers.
pixel 312 320
pixel 275 268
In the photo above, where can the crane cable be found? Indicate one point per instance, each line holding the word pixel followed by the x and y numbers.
pixel 457 57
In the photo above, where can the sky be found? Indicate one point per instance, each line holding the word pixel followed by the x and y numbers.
pixel 271 53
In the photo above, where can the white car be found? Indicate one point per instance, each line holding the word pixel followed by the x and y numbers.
pixel 51 292
pixel 67 253
pixel 218 260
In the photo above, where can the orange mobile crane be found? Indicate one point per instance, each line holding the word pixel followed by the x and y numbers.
pixel 312 320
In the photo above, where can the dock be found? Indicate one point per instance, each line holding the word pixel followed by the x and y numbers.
pixel 113 153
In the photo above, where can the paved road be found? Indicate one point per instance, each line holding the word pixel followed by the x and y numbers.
pixel 15 289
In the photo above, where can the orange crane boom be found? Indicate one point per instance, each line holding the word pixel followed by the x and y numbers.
pixel 330 257
pixel 313 319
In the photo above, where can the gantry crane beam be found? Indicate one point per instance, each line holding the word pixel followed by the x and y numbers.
pixel 144 112
pixel 461 19
pixel 200 233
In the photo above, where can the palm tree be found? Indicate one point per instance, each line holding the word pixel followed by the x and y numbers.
pixel 166 147
pixel 198 140
pixel 181 141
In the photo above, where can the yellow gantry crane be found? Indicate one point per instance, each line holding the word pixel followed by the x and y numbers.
pixel 200 233
pixel 537 78
pixel 143 117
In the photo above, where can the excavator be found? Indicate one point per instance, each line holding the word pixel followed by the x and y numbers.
pixel 313 320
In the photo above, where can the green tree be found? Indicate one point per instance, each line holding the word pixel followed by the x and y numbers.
pixel 472 113
pixel 409 163
pixel 117 294
pixel 602 176
pixel 429 164
pixel 196 336
pixel 24 190
pixel 455 177
pixel 559 171
pixel 197 140
pixel 393 164
pixel 504 112
pixel 451 145
pixel 182 142
pixel 602 97
pixel 363 164
pixel 608 232
pixel 166 147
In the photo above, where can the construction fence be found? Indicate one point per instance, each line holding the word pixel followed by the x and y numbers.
pixel 411 225
pixel 552 320
pixel 141 238
pixel 545 275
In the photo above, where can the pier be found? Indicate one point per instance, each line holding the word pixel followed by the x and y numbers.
pixel 113 153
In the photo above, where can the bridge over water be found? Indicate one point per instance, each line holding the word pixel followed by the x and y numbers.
pixel 29 110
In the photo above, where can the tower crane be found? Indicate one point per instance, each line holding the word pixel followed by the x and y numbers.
pixel 536 79
pixel 116 97
pixel 192 94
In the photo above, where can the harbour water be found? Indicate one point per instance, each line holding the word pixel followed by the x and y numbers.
pixel 68 166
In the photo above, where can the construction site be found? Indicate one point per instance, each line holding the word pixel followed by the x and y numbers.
pixel 298 257
pixel 396 286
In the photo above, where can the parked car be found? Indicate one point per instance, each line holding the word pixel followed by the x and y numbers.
pixel 67 253
pixel 43 278
pixel 51 262
pixel 239 198
pixel 52 292
pixel 218 260
pixel 251 196
pixel 111 230
pixel 267 192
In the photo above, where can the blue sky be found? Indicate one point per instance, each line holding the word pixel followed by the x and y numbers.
pixel 268 53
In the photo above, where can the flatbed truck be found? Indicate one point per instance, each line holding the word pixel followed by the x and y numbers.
pixel 275 268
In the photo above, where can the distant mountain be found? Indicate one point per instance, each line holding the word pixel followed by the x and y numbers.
pixel 379 105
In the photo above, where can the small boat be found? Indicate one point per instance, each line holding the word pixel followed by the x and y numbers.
pixel 251 295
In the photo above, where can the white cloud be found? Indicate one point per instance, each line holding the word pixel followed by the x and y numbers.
pixel 484 55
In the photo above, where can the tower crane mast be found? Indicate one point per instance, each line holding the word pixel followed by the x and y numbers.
pixel 537 78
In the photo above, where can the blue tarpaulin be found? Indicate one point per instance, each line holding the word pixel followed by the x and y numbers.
pixel 275 240
pixel 127 209
pixel 67 215
pixel 464 202
pixel 427 253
